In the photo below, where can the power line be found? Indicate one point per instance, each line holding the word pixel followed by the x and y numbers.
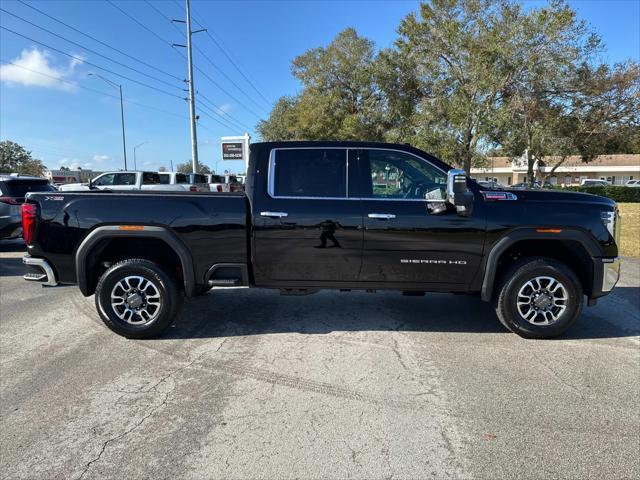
pixel 82 60
pixel 101 42
pixel 130 17
pixel 215 66
pixel 221 113
pixel 92 51
pixel 77 85
pixel 228 123
pixel 228 56
pixel 206 57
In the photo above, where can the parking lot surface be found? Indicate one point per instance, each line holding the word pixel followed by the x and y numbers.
pixel 250 384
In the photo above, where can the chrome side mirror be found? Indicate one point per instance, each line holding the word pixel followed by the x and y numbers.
pixel 458 194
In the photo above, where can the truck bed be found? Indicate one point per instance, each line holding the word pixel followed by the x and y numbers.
pixel 212 226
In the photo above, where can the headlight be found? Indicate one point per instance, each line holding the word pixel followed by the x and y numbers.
pixel 611 221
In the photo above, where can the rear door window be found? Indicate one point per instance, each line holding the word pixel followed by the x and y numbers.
pixel 309 172
pixel 150 178
pixel 125 179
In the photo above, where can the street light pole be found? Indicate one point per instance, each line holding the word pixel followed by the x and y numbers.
pixel 119 87
pixel 135 164
pixel 124 141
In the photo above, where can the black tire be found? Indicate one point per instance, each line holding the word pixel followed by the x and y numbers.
pixel 516 277
pixel 170 298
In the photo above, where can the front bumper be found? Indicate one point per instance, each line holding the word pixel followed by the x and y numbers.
pixel 610 273
pixel 41 271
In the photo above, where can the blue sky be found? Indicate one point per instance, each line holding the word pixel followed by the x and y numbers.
pixel 68 124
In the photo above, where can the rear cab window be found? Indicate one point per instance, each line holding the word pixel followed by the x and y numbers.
pixel 181 178
pixel 198 178
pixel 165 178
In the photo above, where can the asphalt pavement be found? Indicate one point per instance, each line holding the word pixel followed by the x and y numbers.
pixel 249 384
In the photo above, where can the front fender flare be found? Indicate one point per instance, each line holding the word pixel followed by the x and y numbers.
pixel 491 266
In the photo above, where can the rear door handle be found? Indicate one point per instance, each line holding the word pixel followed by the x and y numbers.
pixel 382 216
pixel 274 214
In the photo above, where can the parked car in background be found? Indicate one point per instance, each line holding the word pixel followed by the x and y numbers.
pixel 592 182
pixel 490 184
pixel 123 181
pixel 183 180
pixel 632 183
pixel 536 184
pixel 217 183
pixel 199 181
pixel 13 189
pixel 235 185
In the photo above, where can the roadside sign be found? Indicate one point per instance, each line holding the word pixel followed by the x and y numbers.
pixel 235 148
pixel 232 150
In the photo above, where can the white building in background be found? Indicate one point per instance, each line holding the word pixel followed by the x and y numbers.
pixel 615 169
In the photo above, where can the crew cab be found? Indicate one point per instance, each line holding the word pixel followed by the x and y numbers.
pixel 330 215
pixel 123 181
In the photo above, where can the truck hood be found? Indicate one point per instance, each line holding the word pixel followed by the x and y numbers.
pixel 559 196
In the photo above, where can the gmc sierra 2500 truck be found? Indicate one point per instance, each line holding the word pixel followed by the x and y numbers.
pixel 329 215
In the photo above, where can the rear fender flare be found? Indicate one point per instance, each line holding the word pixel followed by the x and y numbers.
pixel 147 231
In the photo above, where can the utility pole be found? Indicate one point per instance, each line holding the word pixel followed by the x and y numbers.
pixel 192 90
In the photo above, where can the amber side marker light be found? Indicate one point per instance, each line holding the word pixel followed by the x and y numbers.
pixel 548 230
pixel 131 227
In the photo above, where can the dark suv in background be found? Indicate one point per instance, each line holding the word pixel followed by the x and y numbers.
pixel 13 189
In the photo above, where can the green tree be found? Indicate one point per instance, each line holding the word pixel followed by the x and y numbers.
pixel 186 167
pixel 339 100
pixel 15 158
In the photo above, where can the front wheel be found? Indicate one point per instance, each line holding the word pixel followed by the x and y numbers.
pixel 136 298
pixel 539 298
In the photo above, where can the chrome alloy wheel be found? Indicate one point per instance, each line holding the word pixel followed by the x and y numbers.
pixel 542 300
pixel 136 300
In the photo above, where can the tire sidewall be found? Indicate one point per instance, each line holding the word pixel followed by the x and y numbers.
pixel 508 301
pixel 150 272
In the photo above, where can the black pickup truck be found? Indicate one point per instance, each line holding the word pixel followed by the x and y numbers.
pixel 329 215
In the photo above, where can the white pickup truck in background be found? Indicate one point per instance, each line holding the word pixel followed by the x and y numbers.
pixel 124 181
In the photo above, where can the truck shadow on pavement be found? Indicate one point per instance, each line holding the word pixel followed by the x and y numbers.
pixel 242 312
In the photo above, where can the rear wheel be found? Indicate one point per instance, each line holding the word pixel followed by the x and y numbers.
pixel 539 298
pixel 136 298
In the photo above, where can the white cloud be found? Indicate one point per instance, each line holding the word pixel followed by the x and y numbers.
pixel 24 68
pixel 224 108
pixel 101 158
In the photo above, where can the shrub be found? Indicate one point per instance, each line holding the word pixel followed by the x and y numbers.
pixel 617 194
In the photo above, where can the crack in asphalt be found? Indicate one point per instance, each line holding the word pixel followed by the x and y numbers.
pixel 145 417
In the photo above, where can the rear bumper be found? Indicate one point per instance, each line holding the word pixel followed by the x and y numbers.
pixel 41 271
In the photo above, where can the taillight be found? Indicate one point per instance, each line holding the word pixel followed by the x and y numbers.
pixel 193 188
pixel 28 222
pixel 9 200
pixel 232 188
pixel 219 188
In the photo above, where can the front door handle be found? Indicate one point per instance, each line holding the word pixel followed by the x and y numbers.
pixel 274 214
pixel 382 216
